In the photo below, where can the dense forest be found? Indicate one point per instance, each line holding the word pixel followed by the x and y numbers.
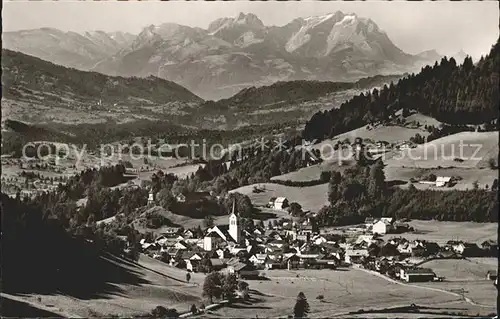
pixel 451 93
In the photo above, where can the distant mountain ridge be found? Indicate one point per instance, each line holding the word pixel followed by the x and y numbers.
pixel 37 91
pixel 232 53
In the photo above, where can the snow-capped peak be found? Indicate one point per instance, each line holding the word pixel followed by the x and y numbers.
pixel 347 20
pixel 248 19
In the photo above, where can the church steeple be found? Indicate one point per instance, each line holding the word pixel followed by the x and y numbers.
pixel 234 230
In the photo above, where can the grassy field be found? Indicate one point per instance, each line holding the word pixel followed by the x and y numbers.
pixel 160 285
pixel 313 172
pixel 461 270
pixel 310 198
pixel 344 290
pixel 466 278
pixel 474 148
pixel 441 232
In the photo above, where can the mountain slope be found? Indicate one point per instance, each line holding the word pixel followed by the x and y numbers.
pixel 451 93
pixel 22 73
pixel 72 49
pixel 233 53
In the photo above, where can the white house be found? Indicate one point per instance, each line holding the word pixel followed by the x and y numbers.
pixel 151 198
pixel 181 198
pixel 383 226
pixel 442 181
pixel 280 203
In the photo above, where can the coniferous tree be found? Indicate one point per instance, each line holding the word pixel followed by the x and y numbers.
pixel 301 308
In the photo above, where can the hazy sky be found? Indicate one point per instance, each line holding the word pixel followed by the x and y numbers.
pixel 413 26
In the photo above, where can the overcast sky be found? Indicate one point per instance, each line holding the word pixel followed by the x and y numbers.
pixel 412 26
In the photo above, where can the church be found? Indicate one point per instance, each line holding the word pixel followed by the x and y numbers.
pixel 223 234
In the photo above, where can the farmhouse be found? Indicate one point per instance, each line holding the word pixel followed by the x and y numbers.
pixel 383 226
pixel 417 275
pixel 467 249
pixel 192 197
pixel 280 203
pixel 242 270
pixel 492 275
pixel 442 181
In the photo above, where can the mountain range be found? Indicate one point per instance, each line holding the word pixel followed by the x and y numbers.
pixel 38 91
pixel 231 54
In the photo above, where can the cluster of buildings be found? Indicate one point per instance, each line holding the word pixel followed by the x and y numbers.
pixel 245 252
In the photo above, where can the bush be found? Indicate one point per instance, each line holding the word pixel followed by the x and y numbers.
pixel 320 297
pixel 492 163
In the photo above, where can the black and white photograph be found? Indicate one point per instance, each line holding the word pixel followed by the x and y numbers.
pixel 249 159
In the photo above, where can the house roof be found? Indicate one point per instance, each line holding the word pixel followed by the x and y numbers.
pixel 261 256
pixel 218 262
pixel 420 271
pixel 280 199
pixel 239 266
pixel 443 179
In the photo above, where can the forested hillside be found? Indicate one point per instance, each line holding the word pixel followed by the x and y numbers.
pixel 24 75
pixel 450 92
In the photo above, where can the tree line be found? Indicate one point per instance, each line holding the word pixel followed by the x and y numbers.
pixel 361 191
pixel 451 93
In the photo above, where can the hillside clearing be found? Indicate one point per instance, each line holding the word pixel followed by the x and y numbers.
pixel 310 198
pixel 472 148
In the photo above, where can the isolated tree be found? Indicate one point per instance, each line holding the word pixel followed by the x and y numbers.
pixel 295 209
pixel 492 163
pixel 193 309
pixel 269 225
pixel 301 308
pixel 229 285
pixel 243 289
pixel 188 277
pixel 211 286
pixel 475 185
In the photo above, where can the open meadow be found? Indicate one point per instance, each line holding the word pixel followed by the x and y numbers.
pixel 441 231
pixel 467 277
pixel 344 291
pixel 464 150
pixel 310 198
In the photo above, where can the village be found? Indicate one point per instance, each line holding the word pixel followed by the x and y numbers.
pixel 289 245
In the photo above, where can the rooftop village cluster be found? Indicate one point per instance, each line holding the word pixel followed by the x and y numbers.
pixel 289 245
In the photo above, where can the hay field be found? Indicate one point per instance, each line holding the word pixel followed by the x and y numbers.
pixel 441 232
pixel 460 270
pixel 344 290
